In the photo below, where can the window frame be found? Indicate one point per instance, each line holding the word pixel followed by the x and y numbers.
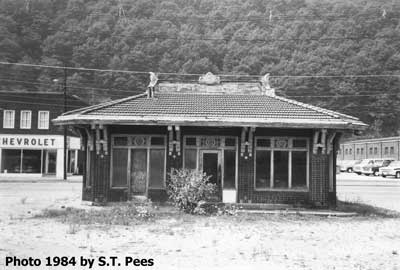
pixel 47 126
pixel 12 121
pixel 288 149
pixel 21 120
pixel 129 147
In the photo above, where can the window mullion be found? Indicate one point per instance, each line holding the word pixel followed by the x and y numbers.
pixel 290 169
pixel 271 183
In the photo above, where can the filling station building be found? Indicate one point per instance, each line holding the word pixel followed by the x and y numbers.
pixel 258 147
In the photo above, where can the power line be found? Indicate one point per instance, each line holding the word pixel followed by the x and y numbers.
pixel 205 38
pixel 198 74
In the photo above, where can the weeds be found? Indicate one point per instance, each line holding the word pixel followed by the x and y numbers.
pixel 124 214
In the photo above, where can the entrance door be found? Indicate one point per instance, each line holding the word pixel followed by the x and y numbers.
pixel 210 163
pixel 138 177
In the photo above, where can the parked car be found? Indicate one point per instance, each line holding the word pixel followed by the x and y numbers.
pixel 374 167
pixel 347 165
pixel 357 168
pixel 392 170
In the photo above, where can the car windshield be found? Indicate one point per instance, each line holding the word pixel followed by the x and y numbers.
pixel 358 161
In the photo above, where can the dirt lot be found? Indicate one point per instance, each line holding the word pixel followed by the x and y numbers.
pixel 179 241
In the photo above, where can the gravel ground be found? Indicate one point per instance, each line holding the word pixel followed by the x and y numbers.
pixel 193 242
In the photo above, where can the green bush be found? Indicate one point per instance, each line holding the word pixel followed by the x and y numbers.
pixel 189 188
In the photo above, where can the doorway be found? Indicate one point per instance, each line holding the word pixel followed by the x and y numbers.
pixel 210 163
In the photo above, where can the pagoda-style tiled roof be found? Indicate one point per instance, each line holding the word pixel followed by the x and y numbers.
pixel 249 108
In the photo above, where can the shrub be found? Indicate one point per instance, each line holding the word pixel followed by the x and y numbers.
pixel 188 188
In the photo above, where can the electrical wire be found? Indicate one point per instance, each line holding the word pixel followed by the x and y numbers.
pixel 197 74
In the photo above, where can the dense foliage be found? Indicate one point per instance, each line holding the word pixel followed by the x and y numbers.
pixel 282 37
pixel 189 188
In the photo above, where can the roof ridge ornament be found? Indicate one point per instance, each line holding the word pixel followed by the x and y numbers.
pixel 267 90
pixel 209 79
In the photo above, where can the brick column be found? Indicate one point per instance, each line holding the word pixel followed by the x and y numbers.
pixel 319 186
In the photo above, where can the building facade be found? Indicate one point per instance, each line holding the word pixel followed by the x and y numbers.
pixel 30 145
pixel 257 147
pixel 388 147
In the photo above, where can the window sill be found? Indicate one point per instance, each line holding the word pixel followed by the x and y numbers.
pixel 283 189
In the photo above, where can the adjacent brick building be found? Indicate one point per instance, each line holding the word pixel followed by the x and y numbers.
pixel 30 145
pixel 258 147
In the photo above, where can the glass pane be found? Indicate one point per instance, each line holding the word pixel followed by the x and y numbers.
pixel 299 143
pixel 120 141
pixel 51 162
pixel 281 169
pixel 120 167
pixel 11 161
pixel 210 167
pixel 299 169
pixel 264 142
pixel 263 169
pixel 138 170
pixel 191 141
pixel 31 161
pixel 190 158
pixel 230 142
pixel 157 161
pixel 157 141
pixel 229 168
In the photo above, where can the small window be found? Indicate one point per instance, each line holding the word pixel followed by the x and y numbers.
pixel 191 141
pixel 264 142
pixel 391 150
pixel 8 118
pixel 386 150
pixel 230 142
pixel 362 151
pixel 358 151
pixel 43 119
pixel 26 118
pixel 370 150
pixel 375 150
pixel 346 151
pixel 297 143
pixel 351 151
pixel 157 141
pixel 120 141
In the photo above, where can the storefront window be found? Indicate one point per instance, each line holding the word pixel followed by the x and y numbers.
pixel 120 163
pixel 139 159
pixel 299 169
pixel 11 161
pixel 263 169
pixel 31 161
pixel 289 163
pixel 157 159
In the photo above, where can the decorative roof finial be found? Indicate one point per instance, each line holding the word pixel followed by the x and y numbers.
pixel 265 81
pixel 266 88
pixel 209 78
pixel 153 79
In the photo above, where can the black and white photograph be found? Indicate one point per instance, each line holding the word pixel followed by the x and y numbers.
pixel 199 134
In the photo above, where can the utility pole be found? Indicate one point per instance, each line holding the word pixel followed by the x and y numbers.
pixel 65 127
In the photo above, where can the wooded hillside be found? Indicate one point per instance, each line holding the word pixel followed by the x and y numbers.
pixel 284 38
